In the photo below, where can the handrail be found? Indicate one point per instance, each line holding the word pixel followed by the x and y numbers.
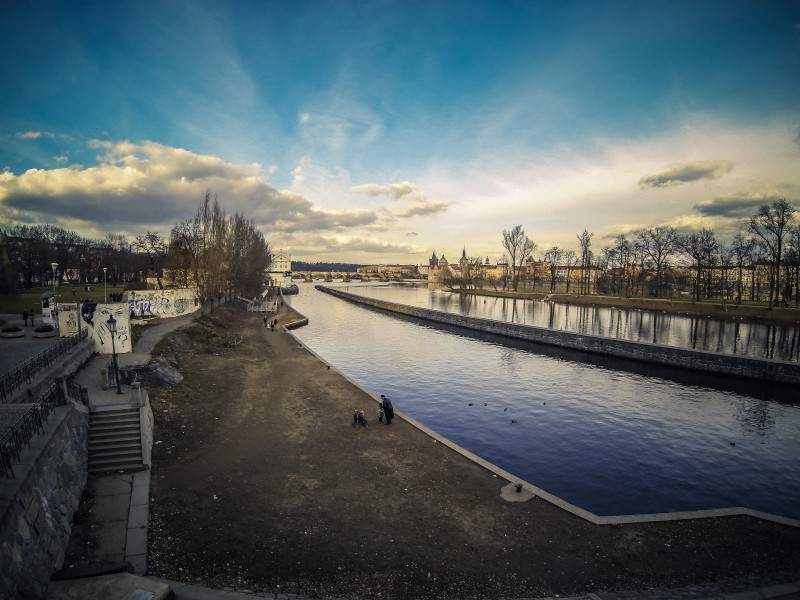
pixel 126 376
pixel 24 372
pixel 31 421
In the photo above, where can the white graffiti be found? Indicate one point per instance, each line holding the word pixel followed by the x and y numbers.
pixel 163 303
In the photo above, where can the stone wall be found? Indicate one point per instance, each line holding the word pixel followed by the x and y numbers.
pixel 699 360
pixel 36 508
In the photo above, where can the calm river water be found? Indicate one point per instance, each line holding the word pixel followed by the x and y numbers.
pixel 747 339
pixel 611 440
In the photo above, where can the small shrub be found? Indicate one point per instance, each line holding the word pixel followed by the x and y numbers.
pixel 45 328
pixel 11 329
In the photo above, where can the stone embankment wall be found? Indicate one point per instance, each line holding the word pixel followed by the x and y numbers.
pixel 36 508
pixel 699 360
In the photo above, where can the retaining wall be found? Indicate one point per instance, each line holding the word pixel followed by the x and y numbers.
pixel 698 360
pixel 36 508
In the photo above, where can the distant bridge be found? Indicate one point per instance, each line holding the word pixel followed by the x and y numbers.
pixel 330 276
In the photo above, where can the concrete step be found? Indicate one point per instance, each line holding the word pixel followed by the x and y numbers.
pixel 114 419
pixel 125 455
pixel 115 411
pixel 109 416
pixel 114 451
pixel 115 442
pixel 100 443
pixel 125 467
pixel 113 427
pixel 116 457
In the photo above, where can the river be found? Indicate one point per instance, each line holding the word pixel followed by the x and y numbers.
pixel 624 440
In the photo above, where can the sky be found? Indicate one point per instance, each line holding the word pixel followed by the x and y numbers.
pixel 382 131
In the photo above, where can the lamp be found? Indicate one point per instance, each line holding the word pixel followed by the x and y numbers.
pixel 105 284
pixel 112 327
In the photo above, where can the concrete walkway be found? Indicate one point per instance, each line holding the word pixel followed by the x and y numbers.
pixel 121 500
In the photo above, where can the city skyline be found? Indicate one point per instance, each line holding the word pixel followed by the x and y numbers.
pixel 381 132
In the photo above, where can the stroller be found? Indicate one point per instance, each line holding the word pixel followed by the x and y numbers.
pixel 359 419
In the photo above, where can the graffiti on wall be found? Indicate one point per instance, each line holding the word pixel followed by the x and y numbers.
pixel 93 318
pixel 163 303
pixel 69 317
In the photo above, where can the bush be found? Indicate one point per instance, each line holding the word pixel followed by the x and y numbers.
pixel 11 329
pixel 45 328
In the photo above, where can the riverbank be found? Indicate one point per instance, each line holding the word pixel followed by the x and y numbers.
pixel 712 310
pixel 260 482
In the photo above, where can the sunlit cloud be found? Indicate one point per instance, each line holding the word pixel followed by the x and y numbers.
pixel 139 187
pixel 421 205
pixel 394 190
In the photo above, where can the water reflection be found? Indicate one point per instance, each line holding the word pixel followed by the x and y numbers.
pixel 639 439
pixel 727 337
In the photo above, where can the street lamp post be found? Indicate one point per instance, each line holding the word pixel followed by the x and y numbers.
pixel 112 327
pixel 55 266
pixel 105 284
pixel 53 311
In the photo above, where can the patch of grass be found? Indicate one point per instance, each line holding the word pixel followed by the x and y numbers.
pixel 31 299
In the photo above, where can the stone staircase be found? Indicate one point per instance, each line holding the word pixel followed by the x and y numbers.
pixel 115 440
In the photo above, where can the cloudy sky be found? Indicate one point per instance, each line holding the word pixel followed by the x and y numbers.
pixel 382 131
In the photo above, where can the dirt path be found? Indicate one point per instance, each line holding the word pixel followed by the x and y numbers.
pixel 260 482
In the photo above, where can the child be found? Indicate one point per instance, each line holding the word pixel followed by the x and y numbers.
pixel 359 419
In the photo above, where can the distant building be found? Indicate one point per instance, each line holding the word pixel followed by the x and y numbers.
pixel 281 262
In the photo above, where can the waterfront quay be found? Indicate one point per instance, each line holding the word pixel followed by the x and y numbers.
pixel 261 487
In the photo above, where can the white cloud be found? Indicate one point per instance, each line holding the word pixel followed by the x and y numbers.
pixel 33 135
pixel 394 190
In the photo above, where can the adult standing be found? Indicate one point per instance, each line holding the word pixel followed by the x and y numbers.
pixel 388 409
pixel 25 318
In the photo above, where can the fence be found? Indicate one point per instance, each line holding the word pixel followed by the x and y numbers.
pixel 126 376
pixel 24 423
pixel 25 372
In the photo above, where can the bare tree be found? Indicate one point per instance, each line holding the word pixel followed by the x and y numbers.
pixel 585 241
pixel 702 248
pixel 570 262
pixel 154 248
pixel 793 261
pixel 181 254
pixel 624 256
pixel 741 251
pixel 519 247
pixel 770 225
pixel 659 245
pixel 553 257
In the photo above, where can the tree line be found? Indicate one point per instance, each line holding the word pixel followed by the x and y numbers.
pixel 760 263
pixel 214 251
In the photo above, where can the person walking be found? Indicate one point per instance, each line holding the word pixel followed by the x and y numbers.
pixel 388 409
pixel 25 318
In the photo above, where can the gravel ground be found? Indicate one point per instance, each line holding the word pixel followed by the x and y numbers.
pixel 260 482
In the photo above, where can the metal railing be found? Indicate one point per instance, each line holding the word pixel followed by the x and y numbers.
pixel 29 422
pixel 126 376
pixel 26 371
pixel 74 390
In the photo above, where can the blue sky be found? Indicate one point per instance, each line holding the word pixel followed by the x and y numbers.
pixel 383 131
